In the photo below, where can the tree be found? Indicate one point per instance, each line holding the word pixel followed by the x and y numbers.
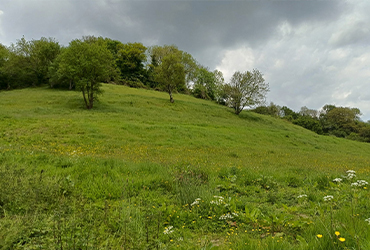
pixel 205 84
pixel 171 74
pixel 131 58
pixel 4 56
pixel 289 114
pixel 309 122
pixel 272 110
pixel 29 61
pixel 341 121
pixel 309 112
pixel 87 62
pixel 170 69
pixel 246 89
pixel 158 53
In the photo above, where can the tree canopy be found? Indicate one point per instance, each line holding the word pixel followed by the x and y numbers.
pixel 246 89
pixel 171 69
pixel 87 62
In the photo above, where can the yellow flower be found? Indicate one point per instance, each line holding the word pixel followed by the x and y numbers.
pixel 337 233
pixel 319 236
pixel 341 239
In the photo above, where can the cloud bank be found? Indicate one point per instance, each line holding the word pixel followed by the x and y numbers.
pixel 311 52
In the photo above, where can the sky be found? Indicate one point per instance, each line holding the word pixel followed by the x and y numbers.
pixel 311 52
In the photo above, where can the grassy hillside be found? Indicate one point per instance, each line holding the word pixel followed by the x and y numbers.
pixel 118 175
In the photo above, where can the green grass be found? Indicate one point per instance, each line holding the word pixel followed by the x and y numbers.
pixel 116 176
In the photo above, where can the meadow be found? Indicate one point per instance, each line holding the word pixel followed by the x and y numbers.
pixel 139 172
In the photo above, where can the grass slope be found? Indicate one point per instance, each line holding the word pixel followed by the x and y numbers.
pixel 136 158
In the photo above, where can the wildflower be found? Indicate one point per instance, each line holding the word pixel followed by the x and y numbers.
pixel 341 239
pixel 219 200
pixel 319 236
pixel 328 198
pixel 359 183
pixel 368 220
pixel 338 180
pixel 337 233
pixel 168 230
pixel 301 196
pixel 351 174
pixel 196 201
pixel 226 216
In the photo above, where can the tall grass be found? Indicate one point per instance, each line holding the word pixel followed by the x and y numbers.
pixel 140 173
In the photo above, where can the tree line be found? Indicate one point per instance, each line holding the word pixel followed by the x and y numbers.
pixel 331 120
pixel 86 63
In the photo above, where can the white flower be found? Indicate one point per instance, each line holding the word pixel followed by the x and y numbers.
pixel 337 180
pixel 225 216
pixel 196 201
pixel 235 214
pixel 219 200
pixel 328 198
pixel 218 197
pixel 168 230
pixel 301 196
pixel 351 176
pixel 368 220
pixel 359 183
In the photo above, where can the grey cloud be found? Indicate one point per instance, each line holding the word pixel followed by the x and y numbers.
pixel 356 33
pixel 308 50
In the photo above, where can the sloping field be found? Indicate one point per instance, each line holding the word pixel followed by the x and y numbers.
pixel 120 175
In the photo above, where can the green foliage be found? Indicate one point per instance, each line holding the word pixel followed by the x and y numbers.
pixel 4 54
pixel 28 62
pixel 87 62
pixel 309 123
pixel 170 74
pixel 246 89
pixel 168 63
pixel 207 84
pixel 130 60
pixel 272 110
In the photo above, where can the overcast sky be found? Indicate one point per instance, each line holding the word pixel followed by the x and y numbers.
pixel 311 52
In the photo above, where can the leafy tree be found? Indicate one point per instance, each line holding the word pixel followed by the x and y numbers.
pixel 157 55
pixel 170 69
pixel 341 121
pixel 309 112
pixel 310 123
pixel 190 69
pixel 28 62
pixel 171 74
pixel 272 110
pixel 87 62
pixel 4 55
pixel 289 114
pixel 364 131
pixel 246 89
pixel 131 58
pixel 43 53
pixel 205 84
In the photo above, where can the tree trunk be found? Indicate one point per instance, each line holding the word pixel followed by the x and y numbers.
pixel 83 94
pixel 170 93
pixel 91 100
